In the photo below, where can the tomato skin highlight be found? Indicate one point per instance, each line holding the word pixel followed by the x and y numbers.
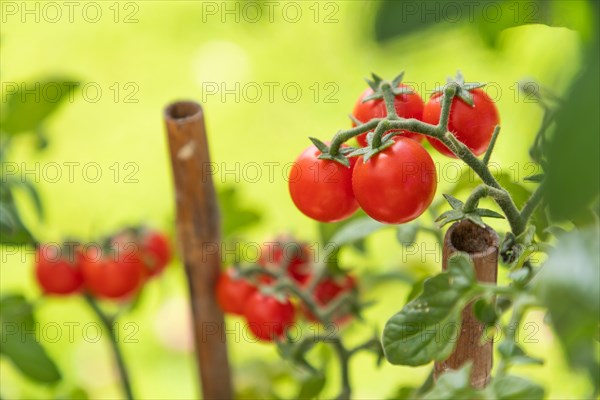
pixel 407 106
pixel 267 317
pixel 57 274
pixel 232 292
pixel 114 274
pixel 322 189
pixel 472 126
pixel 396 185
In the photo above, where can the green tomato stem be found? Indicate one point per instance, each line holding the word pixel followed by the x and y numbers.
pixel 532 203
pixel 343 357
pixel 389 98
pixel 107 322
pixel 343 136
pixel 490 149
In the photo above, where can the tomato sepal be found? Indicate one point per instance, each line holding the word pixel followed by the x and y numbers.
pixel 458 213
pixel 463 90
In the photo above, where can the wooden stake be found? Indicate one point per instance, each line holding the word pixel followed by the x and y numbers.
pixel 482 246
pixel 198 231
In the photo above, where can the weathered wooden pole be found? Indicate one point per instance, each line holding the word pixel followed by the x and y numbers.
pixel 482 246
pixel 198 231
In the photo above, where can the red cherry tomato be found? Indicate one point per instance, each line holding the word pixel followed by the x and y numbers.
pixel 267 317
pixel 233 292
pixel 396 185
pixel 329 289
pixel 153 245
pixel 322 189
pixel 407 106
pixel 473 126
pixel 58 273
pixel 286 253
pixel 156 251
pixel 113 274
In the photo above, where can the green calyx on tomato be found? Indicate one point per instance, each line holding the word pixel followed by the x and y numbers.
pixel 371 104
pixel 463 89
pixel 472 119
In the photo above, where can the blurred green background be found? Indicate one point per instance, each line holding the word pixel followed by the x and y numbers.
pixel 170 50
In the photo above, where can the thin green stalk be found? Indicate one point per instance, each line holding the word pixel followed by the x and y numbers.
pixel 482 191
pixel 449 93
pixel 107 322
pixel 344 136
pixel 343 356
pixel 365 346
pixel 490 149
pixel 533 202
pixel 390 100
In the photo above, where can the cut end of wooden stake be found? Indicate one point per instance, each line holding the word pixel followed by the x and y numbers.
pixel 183 110
pixel 469 237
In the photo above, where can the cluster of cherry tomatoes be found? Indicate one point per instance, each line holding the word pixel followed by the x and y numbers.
pixel 269 312
pixel 397 184
pixel 116 268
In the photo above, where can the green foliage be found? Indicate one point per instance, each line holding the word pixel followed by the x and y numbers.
pixel 235 215
pixel 356 230
pixel 454 385
pixel 12 229
pixel 487 18
pixel 423 330
pixel 25 112
pixel 19 344
pixel 459 213
pixel 311 386
pixel 513 354
pixel 509 387
pixel 573 171
pixel 569 286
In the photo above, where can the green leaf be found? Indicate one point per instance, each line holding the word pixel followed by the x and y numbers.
pixel 573 172
pixel 407 233
pixel 7 221
pixel 568 284
pixel 453 385
pixel 12 230
pixel 485 311
pixel 423 330
pixel 33 195
pixel 509 387
pixel 236 216
pixel 26 110
pixel 356 230
pixel 514 355
pixel 19 343
pixel 311 386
